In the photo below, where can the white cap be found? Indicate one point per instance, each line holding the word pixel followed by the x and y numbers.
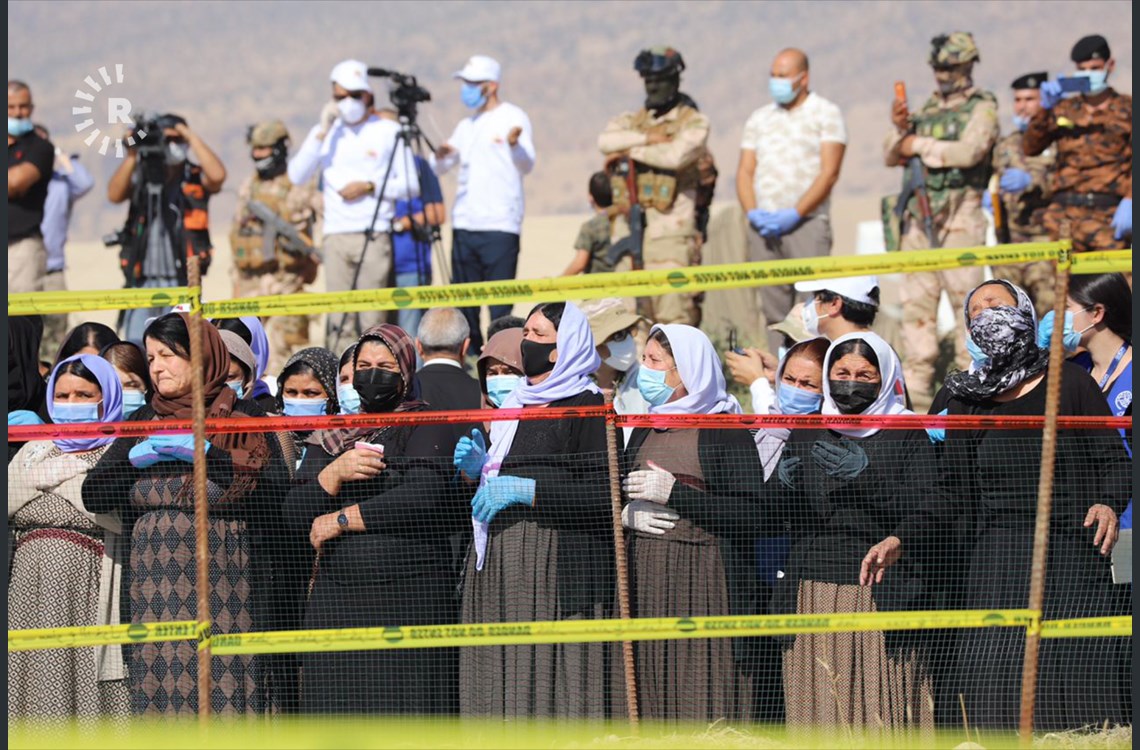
pixel 480 68
pixel 351 75
pixel 854 288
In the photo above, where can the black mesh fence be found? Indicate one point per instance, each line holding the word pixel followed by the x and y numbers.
pixel 815 578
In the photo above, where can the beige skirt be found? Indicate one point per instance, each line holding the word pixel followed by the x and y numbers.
pixel 850 681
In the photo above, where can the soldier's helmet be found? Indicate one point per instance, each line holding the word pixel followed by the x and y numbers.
pixel 955 48
pixel 267 134
pixel 659 61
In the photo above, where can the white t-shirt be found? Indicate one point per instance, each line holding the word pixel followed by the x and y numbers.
pixel 787 144
pixel 356 153
pixel 489 193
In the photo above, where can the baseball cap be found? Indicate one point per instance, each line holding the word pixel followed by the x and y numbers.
pixel 854 288
pixel 608 316
pixel 792 325
pixel 351 75
pixel 480 68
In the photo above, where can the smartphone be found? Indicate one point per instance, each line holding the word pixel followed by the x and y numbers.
pixel 1074 84
pixel 732 347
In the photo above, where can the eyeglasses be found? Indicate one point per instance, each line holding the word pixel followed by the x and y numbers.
pixel 352 94
pixel 619 336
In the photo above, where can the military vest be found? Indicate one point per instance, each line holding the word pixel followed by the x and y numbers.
pixel 248 240
pixel 659 187
pixel 949 125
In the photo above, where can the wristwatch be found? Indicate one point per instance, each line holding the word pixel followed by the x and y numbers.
pixel 342 520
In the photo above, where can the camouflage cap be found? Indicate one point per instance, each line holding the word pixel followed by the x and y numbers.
pixel 658 61
pixel 267 133
pixel 955 48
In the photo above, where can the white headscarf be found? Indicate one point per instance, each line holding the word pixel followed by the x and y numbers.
pixel 892 388
pixel 577 360
pixel 701 372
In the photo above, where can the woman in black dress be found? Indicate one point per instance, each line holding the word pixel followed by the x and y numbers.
pixel 543 545
pixel 994 474
pixel 378 504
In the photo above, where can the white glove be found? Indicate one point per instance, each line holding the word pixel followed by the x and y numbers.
pixel 654 484
pixel 329 113
pixel 648 518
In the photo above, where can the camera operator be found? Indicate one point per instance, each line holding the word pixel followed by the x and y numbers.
pixel 352 147
pixel 30 159
pixel 167 219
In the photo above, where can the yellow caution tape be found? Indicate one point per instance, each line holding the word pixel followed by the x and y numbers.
pixel 569 631
pixel 56 303
pixel 1104 261
pixel 1088 627
pixel 633 283
pixel 101 635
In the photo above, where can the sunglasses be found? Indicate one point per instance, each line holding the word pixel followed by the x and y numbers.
pixel 350 94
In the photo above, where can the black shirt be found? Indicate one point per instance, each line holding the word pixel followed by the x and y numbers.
pixel 26 213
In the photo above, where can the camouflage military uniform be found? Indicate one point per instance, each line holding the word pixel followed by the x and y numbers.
pixel 1094 163
pixel 672 238
pixel 1026 215
pixel 284 272
pixel 954 135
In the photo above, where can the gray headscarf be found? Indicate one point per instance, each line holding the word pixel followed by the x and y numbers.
pixel 1008 337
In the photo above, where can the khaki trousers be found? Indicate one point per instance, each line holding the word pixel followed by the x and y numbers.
pixel 342 254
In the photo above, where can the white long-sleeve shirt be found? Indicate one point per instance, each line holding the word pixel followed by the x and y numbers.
pixel 356 153
pixel 489 195
pixel 63 190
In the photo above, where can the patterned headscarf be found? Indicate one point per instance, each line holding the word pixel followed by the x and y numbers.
pixel 403 348
pixel 1008 336
pixel 249 451
pixel 326 367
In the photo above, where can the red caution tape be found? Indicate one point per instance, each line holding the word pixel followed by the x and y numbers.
pixel 716 421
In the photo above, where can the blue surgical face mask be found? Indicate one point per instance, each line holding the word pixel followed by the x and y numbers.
pixel 73 412
pixel 238 386
pixel 305 407
pixel 651 383
pixel 1098 79
pixel 349 399
pixel 1020 123
pixel 132 402
pixel 783 90
pixel 795 400
pixel 472 96
pixel 976 354
pixel 499 387
pixel 18 126
pixel 1070 337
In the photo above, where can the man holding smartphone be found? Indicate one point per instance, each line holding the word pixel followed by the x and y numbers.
pixel 1092 130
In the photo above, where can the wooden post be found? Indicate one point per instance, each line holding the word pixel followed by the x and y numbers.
pixel 1044 500
pixel 621 562
pixel 201 504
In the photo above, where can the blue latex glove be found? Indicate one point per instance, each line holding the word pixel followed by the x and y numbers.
pixel 787 469
pixel 988 202
pixel 1050 94
pixel 144 455
pixel 757 217
pixel 1045 330
pixel 845 459
pixel 1014 180
pixel 1122 220
pixel 178 447
pixel 470 454
pixel 938 434
pixel 780 222
pixel 499 493
pixel 23 417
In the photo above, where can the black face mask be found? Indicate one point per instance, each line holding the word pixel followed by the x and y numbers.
pixel 536 357
pixel 273 165
pixel 851 396
pixel 662 93
pixel 380 390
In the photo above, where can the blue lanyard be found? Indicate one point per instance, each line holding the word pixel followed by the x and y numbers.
pixel 1112 367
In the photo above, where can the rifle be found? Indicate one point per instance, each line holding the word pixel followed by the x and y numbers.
pixel 275 227
pixel 914 184
pixel 632 244
pixel 1001 216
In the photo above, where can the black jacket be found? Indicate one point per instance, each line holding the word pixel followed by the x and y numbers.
pixel 446 388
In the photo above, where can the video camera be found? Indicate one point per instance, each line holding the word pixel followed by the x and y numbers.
pixel 148 142
pixel 406 93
